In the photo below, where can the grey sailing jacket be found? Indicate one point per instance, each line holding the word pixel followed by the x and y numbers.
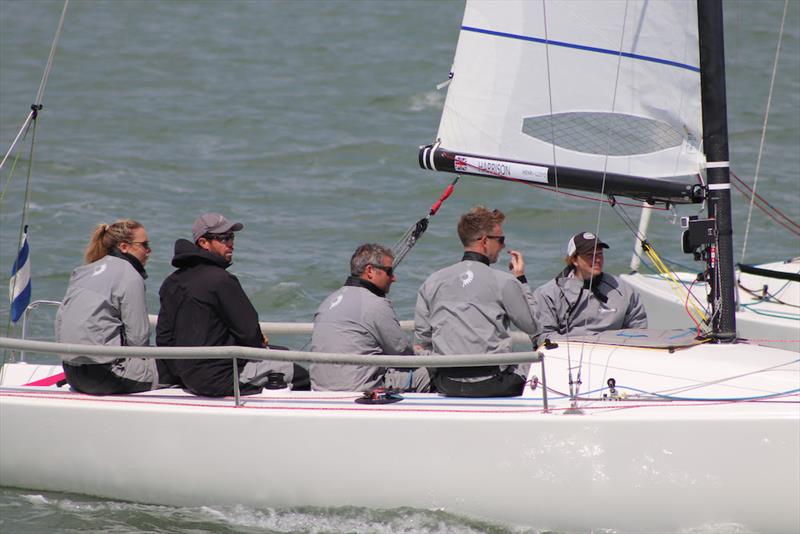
pixel 354 320
pixel 564 306
pixel 467 308
pixel 104 305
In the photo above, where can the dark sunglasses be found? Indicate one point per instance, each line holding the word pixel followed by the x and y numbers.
pixel 145 244
pixel 500 238
pixel 222 238
pixel 388 270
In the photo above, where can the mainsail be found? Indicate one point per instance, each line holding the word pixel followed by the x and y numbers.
pixel 596 96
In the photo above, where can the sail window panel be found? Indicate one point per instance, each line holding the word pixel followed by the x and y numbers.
pixel 612 134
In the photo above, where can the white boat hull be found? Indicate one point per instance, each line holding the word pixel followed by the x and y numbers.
pixel 766 323
pixel 633 465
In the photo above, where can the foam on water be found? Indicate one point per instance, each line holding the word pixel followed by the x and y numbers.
pixel 33 513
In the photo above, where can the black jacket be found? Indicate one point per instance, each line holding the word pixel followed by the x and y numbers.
pixel 203 305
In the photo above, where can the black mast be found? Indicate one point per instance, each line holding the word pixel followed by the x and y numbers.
pixel 715 143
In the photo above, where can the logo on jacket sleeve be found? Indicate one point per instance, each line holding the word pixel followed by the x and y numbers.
pixel 100 269
pixel 336 301
pixel 466 278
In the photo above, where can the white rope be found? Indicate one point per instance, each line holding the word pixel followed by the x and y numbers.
pixel 550 110
pixel 764 131
pixel 605 165
pixel 573 393
pixel 49 66
pixel 17 138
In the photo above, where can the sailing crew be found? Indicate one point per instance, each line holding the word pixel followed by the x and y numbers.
pixel 583 299
pixel 204 305
pixel 105 305
pixel 467 309
pixel 358 319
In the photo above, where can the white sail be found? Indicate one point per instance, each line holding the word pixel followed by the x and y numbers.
pixel 616 85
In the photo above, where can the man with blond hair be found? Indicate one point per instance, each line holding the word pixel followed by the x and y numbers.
pixel 467 308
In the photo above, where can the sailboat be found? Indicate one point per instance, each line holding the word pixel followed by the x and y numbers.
pixel 610 427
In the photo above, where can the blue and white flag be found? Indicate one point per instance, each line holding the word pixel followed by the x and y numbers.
pixel 19 288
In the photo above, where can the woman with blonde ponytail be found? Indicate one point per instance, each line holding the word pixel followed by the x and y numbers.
pixel 105 304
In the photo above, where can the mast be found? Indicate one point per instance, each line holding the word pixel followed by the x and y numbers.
pixel 715 142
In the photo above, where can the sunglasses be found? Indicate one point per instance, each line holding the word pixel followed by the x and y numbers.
pixel 500 238
pixel 222 238
pixel 388 270
pixel 145 244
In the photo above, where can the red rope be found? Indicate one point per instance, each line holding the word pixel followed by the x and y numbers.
pixel 686 307
pixel 749 195
pixel 768 214
pixel 762 199
pixel 48 381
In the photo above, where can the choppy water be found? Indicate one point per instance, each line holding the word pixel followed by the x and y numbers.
pixel 302 120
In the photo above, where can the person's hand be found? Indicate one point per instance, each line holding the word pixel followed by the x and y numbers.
pixel 517 263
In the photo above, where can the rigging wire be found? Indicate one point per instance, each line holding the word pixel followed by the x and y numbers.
pixel 612 201
pixel 25 206
pixel 31 120
pixel 11 172
pixel 573 384
pixel 699 311
pixel 764 128
pixel 775 214
pixel 404 245
pixel 37 104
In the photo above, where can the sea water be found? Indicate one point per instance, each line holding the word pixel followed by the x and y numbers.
pixel 302 120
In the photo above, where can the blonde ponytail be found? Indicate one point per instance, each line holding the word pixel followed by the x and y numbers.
pixel 107 236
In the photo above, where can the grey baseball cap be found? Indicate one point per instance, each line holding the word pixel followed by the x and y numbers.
pixel 213 223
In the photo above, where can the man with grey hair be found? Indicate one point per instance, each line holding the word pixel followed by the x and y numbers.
pixel 467 308
pixel 359 319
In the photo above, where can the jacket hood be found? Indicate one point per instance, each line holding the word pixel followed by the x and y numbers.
pixel 188 254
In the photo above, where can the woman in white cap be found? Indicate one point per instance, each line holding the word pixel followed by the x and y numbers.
pixel 583 299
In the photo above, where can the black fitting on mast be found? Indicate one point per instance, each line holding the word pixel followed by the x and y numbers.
pixel 715 142
pixel 35 108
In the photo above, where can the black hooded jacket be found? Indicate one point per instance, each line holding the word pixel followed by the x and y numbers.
pixel 203 305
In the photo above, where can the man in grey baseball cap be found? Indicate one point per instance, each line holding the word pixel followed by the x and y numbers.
pixel 203 305
pixel 213 223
